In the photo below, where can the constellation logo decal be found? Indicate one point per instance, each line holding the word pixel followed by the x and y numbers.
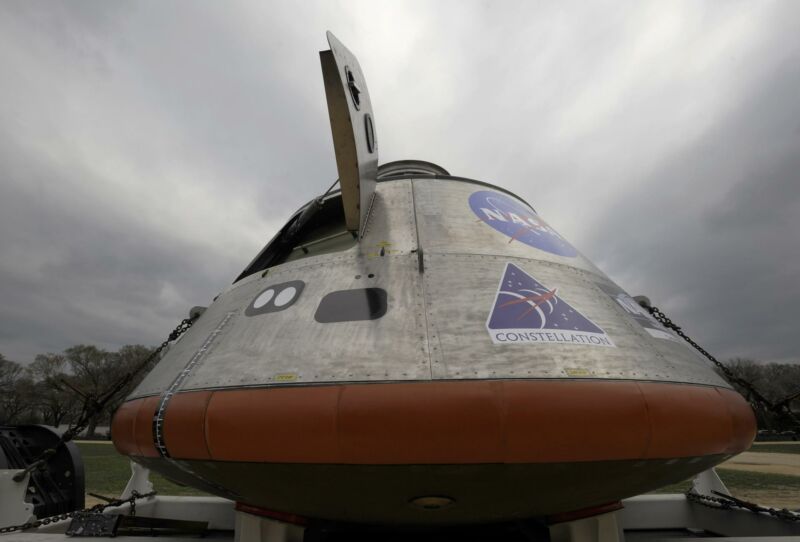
pixel 526 311
pixel 519 222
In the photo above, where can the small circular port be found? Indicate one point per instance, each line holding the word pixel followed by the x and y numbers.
pixel 432 502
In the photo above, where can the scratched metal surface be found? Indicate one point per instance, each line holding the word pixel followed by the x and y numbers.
pixel 448 225
pixel 435 326
pixel 460 292
pixel 290 346
pixel 464 261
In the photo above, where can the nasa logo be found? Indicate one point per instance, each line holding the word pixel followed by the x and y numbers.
pixel 519 222
pixel 526 311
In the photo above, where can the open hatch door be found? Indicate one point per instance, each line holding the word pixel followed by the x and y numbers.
pixel 353 129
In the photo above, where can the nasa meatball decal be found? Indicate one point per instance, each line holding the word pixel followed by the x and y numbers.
pixel 526 311
pixel 519 222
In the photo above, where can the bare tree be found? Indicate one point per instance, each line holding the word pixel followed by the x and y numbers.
pixel 89 366
pixel 95 372
pixel 16 393
pixel 778 383
pixel 125 362
pixel 55 400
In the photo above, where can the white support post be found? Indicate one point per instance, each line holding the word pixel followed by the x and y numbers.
pixel 602 528
pixel 139 481
pixel 13 508
pixel 251 528
pixel 708 481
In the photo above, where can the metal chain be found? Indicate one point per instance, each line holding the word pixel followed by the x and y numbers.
pixel 92 408
pixel 753 393
pixel 722 501
pixel 727 502
pixel 96 509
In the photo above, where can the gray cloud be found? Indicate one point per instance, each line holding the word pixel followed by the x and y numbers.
pixel 148 150
pixel 712 233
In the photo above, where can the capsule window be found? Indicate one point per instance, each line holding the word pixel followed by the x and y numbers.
pixel 352 305
pixel 316 229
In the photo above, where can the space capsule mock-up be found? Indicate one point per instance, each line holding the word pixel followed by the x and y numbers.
pixel 419 348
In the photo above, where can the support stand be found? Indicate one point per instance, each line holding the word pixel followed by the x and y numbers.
pixel 13 508
pixel 252 528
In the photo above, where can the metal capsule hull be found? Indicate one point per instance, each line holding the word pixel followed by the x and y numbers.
pixel 460 349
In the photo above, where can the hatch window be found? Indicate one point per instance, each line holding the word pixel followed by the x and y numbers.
pixel 318 228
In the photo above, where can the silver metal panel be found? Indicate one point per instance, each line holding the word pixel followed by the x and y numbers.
pixel 391 225
pixel 460 291
pixel 679 357
pixel 468 352
pixel 291 347
pixel 353 130
pixel 253 360
pixel 448 225
pixel 179 353
pixel 436 323
pixel 464 261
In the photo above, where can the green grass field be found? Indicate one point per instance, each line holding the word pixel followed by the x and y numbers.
pixel 107 472
pixel 737 480
pixel 776 447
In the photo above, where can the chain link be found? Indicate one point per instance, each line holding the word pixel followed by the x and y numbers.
pixel 722 501
pixel 727 502
pixel 96 509
pixel 753 393
pixel 93 406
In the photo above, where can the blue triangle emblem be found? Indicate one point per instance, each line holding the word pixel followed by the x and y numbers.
pixel 526 311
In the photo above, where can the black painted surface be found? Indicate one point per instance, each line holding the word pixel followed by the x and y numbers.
pixel 270 306
pixel 482 492
pixel 59 486
pixel 352 305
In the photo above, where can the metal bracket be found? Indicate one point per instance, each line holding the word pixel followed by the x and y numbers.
pixel 139 481
pixel 707 482
pixel 252 528
pixel 13 508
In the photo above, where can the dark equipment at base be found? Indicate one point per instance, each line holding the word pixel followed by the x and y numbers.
pixel 89 525
pixel 58 485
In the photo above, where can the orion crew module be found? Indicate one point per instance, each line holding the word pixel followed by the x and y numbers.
pixel 417 348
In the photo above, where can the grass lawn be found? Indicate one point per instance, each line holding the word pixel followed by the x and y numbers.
pixel 775 447
pixel 738 480
pixel 107 472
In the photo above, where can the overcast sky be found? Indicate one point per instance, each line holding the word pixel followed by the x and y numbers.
pixel 148 150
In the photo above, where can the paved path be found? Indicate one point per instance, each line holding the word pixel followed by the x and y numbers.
pixel 765 462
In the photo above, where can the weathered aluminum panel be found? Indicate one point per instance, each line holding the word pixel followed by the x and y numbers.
pixel 289 345
pixel 448 225
pixel 181 352
pixel 436 323
pixel 464 262
pixel 460 293
pixel 391 225
pixel 664 341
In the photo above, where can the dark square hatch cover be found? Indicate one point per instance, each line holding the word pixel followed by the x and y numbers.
pixel 352 305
